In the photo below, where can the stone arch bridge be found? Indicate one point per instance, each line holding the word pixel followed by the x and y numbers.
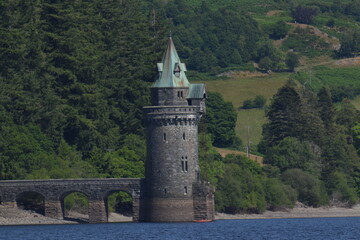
pixel 54 192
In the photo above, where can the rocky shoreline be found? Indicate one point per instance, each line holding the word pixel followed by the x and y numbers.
pixel 14 216
pixel 298 212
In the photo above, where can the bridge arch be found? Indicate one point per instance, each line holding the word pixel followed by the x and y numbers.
pixel 31 200
pixel 119 203
pixel 68 192
pixel 75 205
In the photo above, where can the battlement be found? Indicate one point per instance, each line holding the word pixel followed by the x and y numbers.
pixel 171 109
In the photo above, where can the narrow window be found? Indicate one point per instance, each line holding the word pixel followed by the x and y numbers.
pixel 165 191
pixel 186 166
pixel 185 190
pixel 178 94
pixel 164 137
pixel 181 94
pixel 183 136
pixel 183 166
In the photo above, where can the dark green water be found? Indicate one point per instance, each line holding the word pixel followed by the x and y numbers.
pixel 305 228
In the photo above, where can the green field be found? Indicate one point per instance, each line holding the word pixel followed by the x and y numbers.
pixel 249 126
pixel 237 90
pixel 319 76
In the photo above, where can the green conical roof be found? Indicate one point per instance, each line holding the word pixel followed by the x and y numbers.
pixel 171 70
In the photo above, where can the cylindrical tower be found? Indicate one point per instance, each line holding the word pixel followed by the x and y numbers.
pixel 172 166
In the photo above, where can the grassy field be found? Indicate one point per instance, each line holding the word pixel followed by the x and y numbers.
pixel 249 126
pixel 319 76
pixel 237 89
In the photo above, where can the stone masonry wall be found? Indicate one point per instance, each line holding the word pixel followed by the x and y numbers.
pixel 54 192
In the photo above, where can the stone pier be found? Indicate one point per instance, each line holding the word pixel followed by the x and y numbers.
pixel 54 209
pixel 203 202
pixel 97 211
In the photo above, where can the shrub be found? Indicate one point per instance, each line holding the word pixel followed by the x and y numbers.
pixel 311 190
pixel 258 102
pixel 278 195
pixel 341 190
pixel 248 104
pixel 279 30
pixel 240 191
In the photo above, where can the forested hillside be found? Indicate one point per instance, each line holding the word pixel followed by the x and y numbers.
pixel 74 76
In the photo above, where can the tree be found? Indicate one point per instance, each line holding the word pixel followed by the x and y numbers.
pixel 293 113
pixel 292 60
pixel 283 115
pixel 248 104
pixel 279 30
pixel 350 44
pixel 259 101
pixel 327 110
pixel 210 161
pixel 304 14
pixel 220 120
pixel 292 153
pixel 266 64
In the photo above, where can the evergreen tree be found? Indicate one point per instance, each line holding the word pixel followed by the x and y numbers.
pixel 220 120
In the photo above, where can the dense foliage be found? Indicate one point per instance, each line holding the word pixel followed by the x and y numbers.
pixel 212 39
pixel 73 80
pixel 310 142
pixel 242 185
pixel 220 121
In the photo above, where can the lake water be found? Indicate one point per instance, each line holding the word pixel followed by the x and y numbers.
pixel 303 228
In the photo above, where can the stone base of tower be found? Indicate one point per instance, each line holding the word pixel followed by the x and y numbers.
pixel 168 210
pixel 204 207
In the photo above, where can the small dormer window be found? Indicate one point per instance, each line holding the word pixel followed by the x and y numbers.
pixel 177 70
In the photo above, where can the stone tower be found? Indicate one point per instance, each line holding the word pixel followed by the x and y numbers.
pixel 174 192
